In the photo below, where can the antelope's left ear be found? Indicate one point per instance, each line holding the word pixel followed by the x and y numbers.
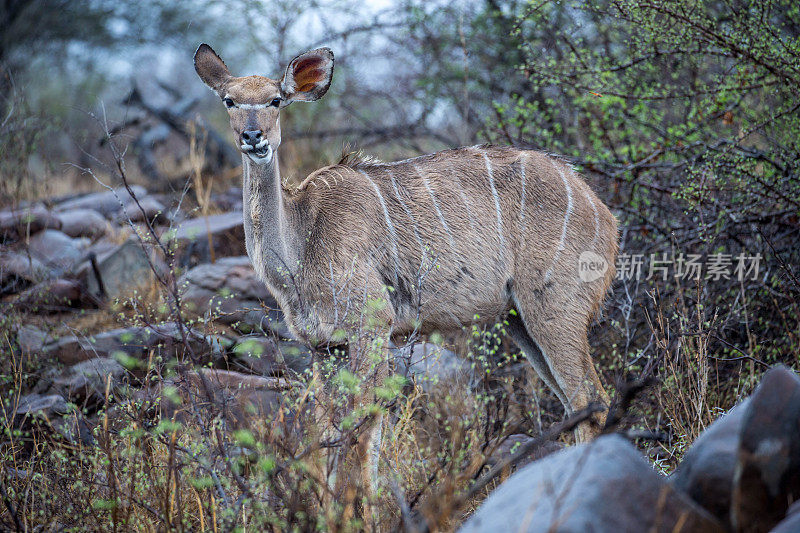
pixel 210 67
pixel 308 76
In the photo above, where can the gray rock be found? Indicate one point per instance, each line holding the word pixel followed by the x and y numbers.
pixel 707 470
pixel 57 250
pixel 229 291
pixel 295 355
pixel 16 224
pixel 105 245
pixel 46 406
pixel 256 355
pixel 122 268
pixel 745 468
pixel 602 486
pixel 74 429
pixel 18 271
pixel 230 200
pixel 240 397
pixel 225 233
pixel 154 212
pixel 87 379
pixel 767 477
pixel 17 473
pixel 107 203
pixel 134 342
pixel 431 364
pixel 267 357
pixel 52 295
pixel 31 340
pixel 790 524
pixel 83 223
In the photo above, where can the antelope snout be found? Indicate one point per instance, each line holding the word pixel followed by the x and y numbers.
pixel 251 137
pixel 255 145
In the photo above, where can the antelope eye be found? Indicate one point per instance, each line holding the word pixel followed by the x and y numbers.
pixel 228 102
pixel 275 102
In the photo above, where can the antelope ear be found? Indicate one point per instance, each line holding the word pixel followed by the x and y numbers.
pixel 210 67
pixel 308 76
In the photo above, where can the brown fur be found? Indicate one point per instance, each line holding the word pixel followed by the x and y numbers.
pixel 448 239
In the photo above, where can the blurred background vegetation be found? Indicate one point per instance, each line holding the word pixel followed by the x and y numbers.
pixel 683 115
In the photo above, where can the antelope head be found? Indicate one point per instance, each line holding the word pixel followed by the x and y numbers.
pixel 254 102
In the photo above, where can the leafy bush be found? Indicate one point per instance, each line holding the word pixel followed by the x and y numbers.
pixel 686 117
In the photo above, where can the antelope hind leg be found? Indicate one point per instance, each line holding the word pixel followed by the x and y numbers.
pixel 561 350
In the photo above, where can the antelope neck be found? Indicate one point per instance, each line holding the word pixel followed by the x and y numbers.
pixel 269 227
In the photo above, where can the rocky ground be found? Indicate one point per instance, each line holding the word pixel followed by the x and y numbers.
pixel 67 259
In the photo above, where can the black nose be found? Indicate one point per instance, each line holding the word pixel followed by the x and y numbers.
pixel 251 137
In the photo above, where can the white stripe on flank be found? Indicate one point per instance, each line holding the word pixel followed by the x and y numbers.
pixel 496 201
pixel 566 221
pixel 389 224
pixel 407 211
pixel 522 201
pixel 596 219
pixel 436 207
pixel 463 196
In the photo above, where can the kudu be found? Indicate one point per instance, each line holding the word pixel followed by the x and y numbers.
pixel 505 230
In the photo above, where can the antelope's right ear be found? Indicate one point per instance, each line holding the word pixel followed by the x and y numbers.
pixel 308 76
pixel 210 67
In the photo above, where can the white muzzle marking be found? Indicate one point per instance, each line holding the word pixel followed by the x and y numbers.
pixel 255 153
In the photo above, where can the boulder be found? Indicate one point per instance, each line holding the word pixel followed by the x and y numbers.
pixel 47 411
pixel 431 364
pixel 707 470
pixel 108 203
pixel 87 380
pixel 603 486
pixel 18 270
pixel 74 429
pixel 240 397
pixel 223 232
pixel 51 295
pixel 16 224
pixel 134 342
pixel 267 356
pixel 230 200
pixel 745 468
pixel 47 406
pixel 103 246
pixel 790 524
pixel 83 223
pixel 31 340
pixel 57 250
pixel 229 290
pixel 122 268
pixel 767 476
pixel 149 210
